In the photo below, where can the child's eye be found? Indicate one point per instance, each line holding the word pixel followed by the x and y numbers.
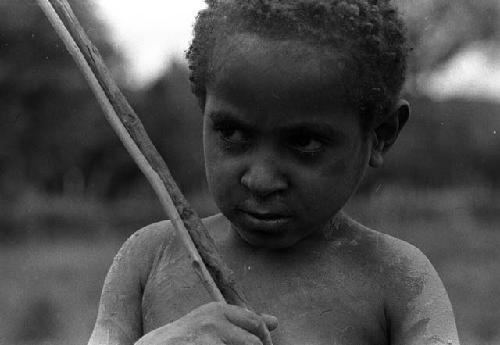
pixel 306 143
pixel 233 135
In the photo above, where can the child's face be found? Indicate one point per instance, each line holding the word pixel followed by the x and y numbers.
pixel 283 149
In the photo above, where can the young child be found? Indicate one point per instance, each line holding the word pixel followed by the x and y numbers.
pixel 299 97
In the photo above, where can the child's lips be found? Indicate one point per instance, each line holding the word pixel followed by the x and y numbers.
pixel 266 215
pixel 267 221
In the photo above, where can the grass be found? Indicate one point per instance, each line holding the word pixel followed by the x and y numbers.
pixel 50 290
pixel 50 287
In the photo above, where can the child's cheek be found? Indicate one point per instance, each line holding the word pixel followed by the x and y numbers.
pixel 337 167
pixel 223 175
pixel 347 168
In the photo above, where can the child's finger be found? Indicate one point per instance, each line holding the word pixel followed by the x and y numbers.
pixel 236 335
pixel 271 321
pixel 249 321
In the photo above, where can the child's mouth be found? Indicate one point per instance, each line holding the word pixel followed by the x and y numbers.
pixel 265 221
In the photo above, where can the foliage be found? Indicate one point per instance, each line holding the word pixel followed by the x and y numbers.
pixel 445 144
pixel 49 120
pixel 440 29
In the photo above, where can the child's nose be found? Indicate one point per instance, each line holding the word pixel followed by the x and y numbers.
pixel 263 178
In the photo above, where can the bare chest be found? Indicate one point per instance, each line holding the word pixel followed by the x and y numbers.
pixel 316 302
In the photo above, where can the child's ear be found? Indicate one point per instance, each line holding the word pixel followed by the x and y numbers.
pixel 385 133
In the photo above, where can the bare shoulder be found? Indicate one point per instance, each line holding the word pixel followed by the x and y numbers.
pixel 119 317
pixel 402 265
pixel 407 273
pixel 150 236
pixel 399 263
pixel 416 302
pixel 142 250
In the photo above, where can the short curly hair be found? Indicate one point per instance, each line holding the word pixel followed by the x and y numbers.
pixel 370 31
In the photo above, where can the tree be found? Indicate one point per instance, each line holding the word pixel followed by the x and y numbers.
pixel 49 119
pixel 438 30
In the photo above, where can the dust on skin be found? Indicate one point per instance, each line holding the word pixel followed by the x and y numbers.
pixel 287 288
pixel 435 340
pixel 295 281
pixel 354 287
pixel 405 271
pixel 414 284
pixel 411 280
pixel 419 328
pixel 169 273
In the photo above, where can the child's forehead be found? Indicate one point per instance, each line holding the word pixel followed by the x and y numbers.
pixel 285 54
pixel 287 70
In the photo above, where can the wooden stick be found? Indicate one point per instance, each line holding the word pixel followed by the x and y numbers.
pixel 206 261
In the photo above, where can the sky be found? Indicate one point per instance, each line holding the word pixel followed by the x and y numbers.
pixel 475 73
pixel 151 32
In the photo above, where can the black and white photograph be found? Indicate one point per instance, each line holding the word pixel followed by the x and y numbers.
pixel 250 172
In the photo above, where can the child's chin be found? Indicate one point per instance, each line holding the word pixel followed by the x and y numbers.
pixel 266 239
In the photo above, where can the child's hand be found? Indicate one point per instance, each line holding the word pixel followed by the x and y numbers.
pixel 215 324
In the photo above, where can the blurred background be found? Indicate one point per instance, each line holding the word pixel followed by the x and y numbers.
pixel 70 195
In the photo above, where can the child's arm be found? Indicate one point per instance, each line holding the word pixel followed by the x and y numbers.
pixel 119 320
pixel 418 309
